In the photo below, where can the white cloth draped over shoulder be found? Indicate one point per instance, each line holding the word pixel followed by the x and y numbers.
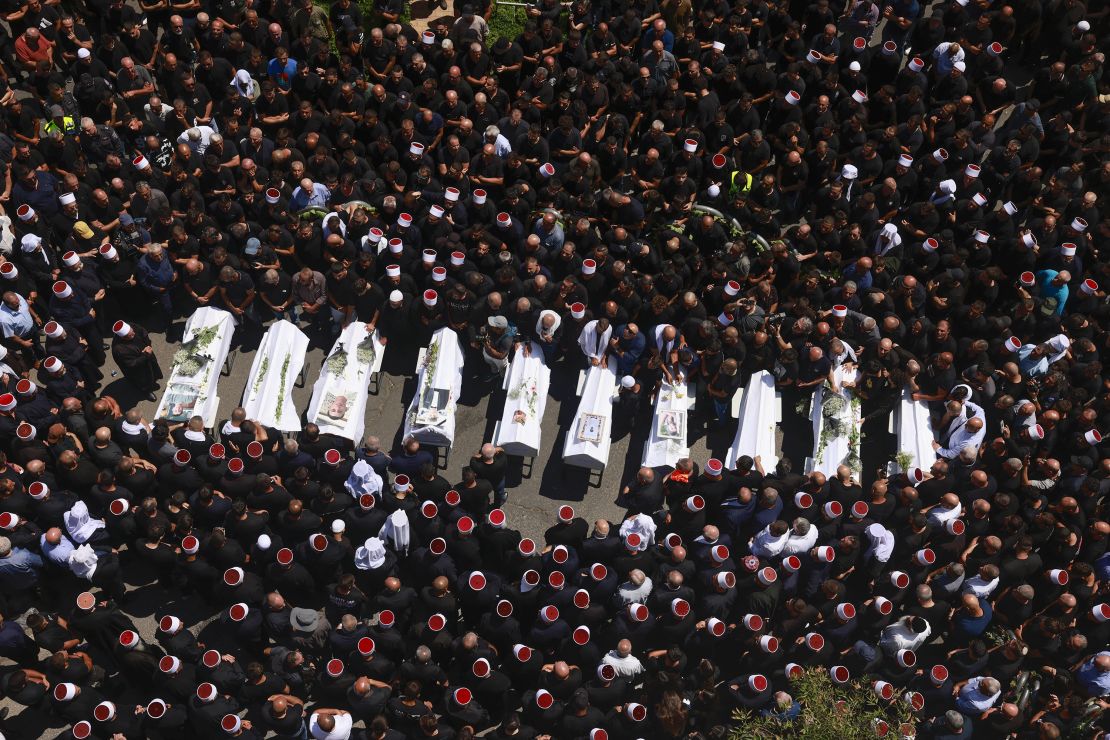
pixel 760 412
pixel 272 378
pixel 207 378
pixel 595 389
pixel 594 343
pixel 526 384
pixel 430 417
pixel 338 404
pixel 672 406
pixel 839 448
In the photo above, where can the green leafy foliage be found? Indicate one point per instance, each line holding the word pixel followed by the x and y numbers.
pixel 829 712
pixel 506 21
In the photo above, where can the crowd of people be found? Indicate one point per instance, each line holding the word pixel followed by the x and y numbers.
pixel 675 188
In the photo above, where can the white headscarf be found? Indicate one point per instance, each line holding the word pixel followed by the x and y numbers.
pixel 79 524
pixel 395 531
pixel 643 525
pixel 363 479
pixel 882 542
pixel 540 331
pixel 1059 345
pixel 82 562
pixel 370 555
pixel 244 84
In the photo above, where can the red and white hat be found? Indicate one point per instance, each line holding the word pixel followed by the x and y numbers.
pixel 395 246
pixel 718 161
pixel 1058 576
pixel 941 155
pixel 883 605
pixel 833 509
pixel 504 220
pixel 211 658
pixel 7 402
pixel 825 553
pixel 530 579
pixel 1036 432
pixel 860 509
pixel 547 169
pixel 905 160
pixel 769 644
pixel 815 641
pixel 366 646
pixel 477 581
pixel 238 612
pixel 719 553
pixel 938 674
pixel 725 579
pixel 906 658
pixel 955 527
pixel 404 220
pixel 190 545
pixel 61 289
pixel 1068 249
pixel 803 500
pixel 925 556
pixel 273 195
pixel 672 540
pixel 523 653
pixel 335 667
pixel 792 563
pixel 636 712
pixel 560 554
pixel 972 170
pixel 233 576
pixel 566 514
pixel 53 364
pixel 589 267
pixel 767 575
pixel 182 457
pixel 170 624
pixel 633 540
pixel 1027 278
pixel 758 683
pixel 207 692
pixel 549 614
pixel 793 670
pixel 318 542
pixel 915 700
pixel 105 711
pixel 169 664
pixel 1013 344
pixel 1101 612
pixel 793 97
pixel 577 310
pixel 1092 437
pixel 439 274
pixel 680 608
pixel 581 635
pixel 393 270
pixel 753 622
pixel 71 259
pixel 638 612
pixel 544 699
pixel 496 518
pixel 859 96
pixel 429 510
pixel 898 579
pixel 994 48
pixel 129 639
pixel 65 692
pixel 1089 286
pixel 431 298
pixel 1079 224
pixel 478 196
pixel 716 627
pixel 979 199
pixel 845 611
pixel 438 546
pixel 839 674
pixel 25 212
pixel 437 622
pixel 25 431
pixel 465 525
pixel 504 608
pixel 599 572
pixel 156 708
pixel 690 145
pixel 883 690
pixel 526 547
pixel 812 57
pixel 598 734
pixel 732 288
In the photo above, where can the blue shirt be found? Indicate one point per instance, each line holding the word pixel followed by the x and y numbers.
pixel 1048 290
pixel 282 76
pixel 20 570
pixel 16 323
pixel 301 199
pixel 43 198
pixel 155 274
pixel 1095 682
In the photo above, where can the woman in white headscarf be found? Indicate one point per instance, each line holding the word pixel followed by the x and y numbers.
pixel 80 526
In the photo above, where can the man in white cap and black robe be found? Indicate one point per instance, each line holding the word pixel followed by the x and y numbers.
pixel 132 352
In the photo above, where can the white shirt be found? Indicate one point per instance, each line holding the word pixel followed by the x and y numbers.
pixel 976 585
pixel 630 594
pixel 800 543
pixel 940 516
pixel 628 666
pixel 960 437
pixel 767 545
pixel 899 636
pixel 342 730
